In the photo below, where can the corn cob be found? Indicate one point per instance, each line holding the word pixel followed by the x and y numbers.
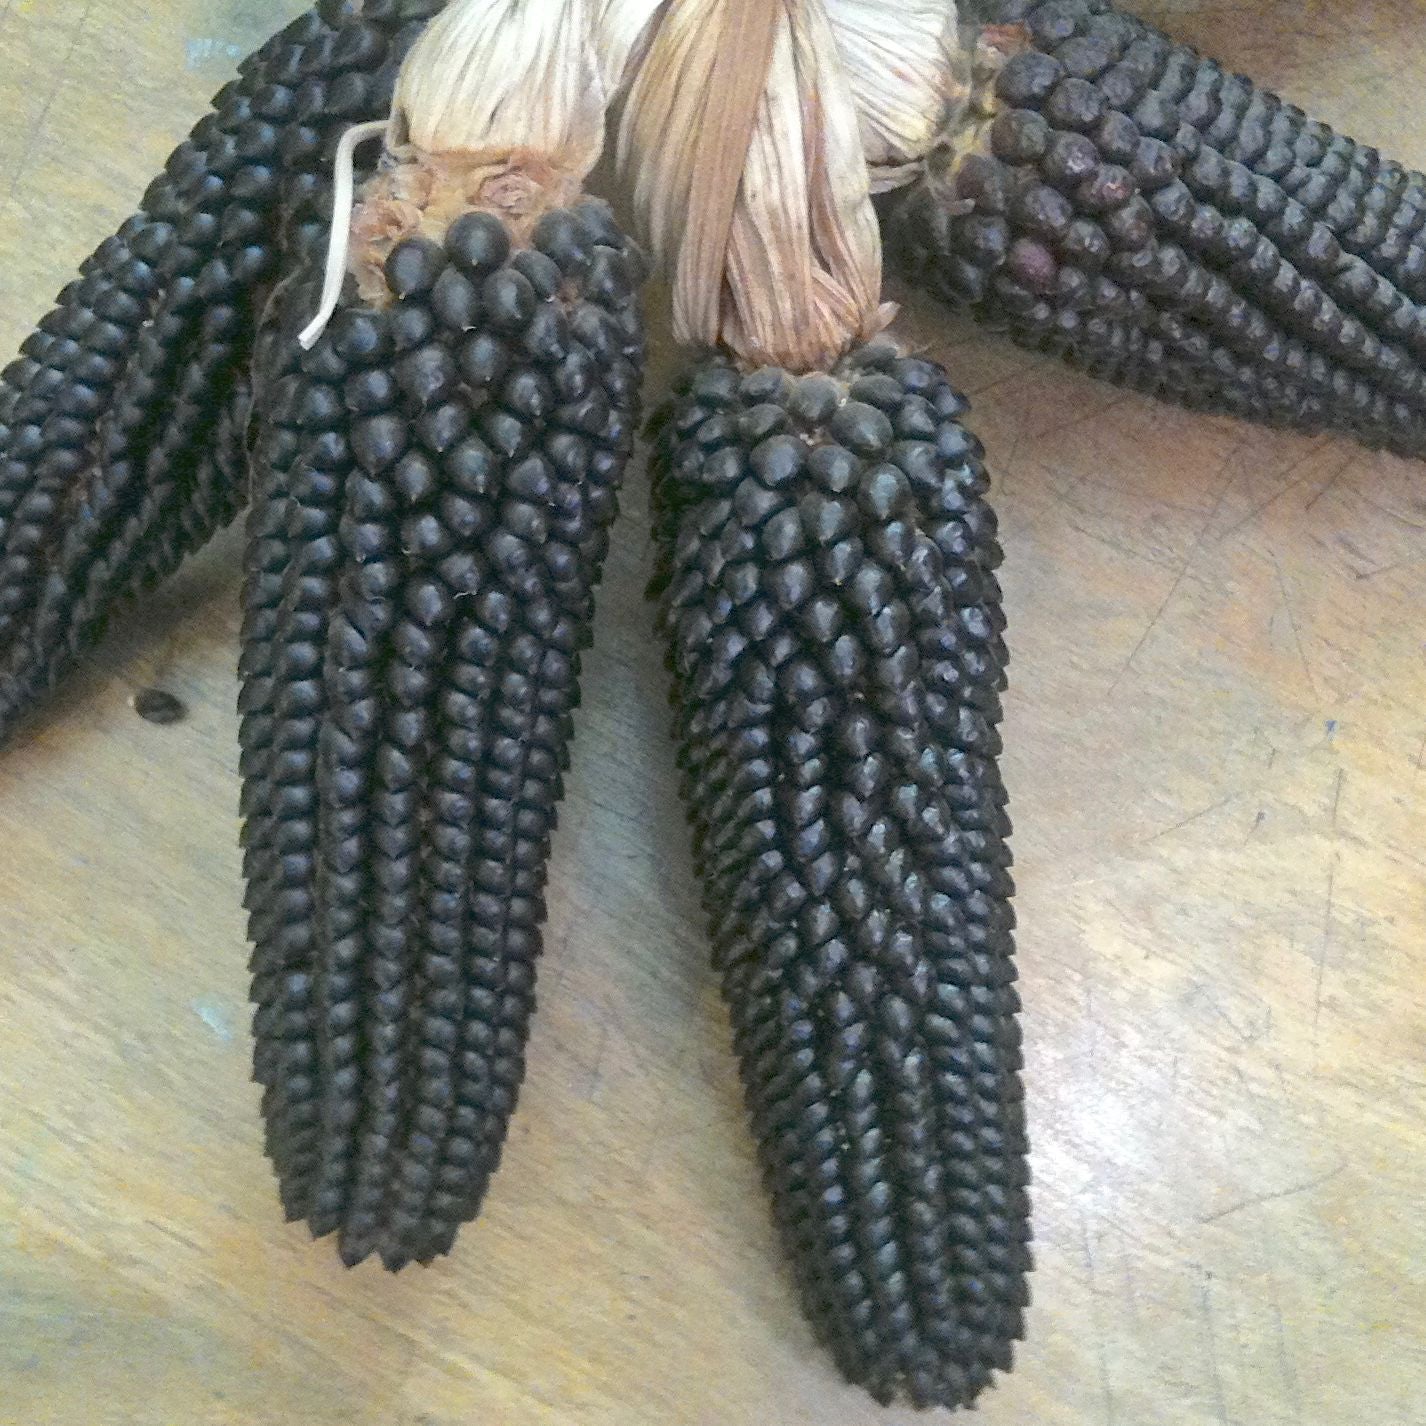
pixel 107 479
pixel 1375 207
pixel 826 566
pixel 826 576
pixel 435 484
pixel 1087 213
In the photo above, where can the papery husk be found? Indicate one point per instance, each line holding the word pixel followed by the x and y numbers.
pixel 488 75
pixel 907 62
pixel 743 149
pixel 910 74
pixel 624 30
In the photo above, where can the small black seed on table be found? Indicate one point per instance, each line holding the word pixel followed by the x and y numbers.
pixel 153 705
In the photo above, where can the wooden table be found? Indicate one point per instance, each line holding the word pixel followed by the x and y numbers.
pixel 1216 737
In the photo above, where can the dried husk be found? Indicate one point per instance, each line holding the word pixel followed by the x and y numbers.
pixel 488 75
pixel 753 135
pixel 624 29
pixel 909 73
pixel 742 146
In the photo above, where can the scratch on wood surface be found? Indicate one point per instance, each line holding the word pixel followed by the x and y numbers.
pixel 1062 489
pixel 1059 431
pixel 1389 512
pixel 1290 1191
pixel 1192 817
pixel 1263 1109
pixel 1332 480
pixel 1292 623
pixel 596 1069
pixel 940 347
pixel 1091 1016
pixel 1088 1251
pixel 1224 470
pixel 1362 575
pixel 1099 537
pixel 1205 1301
pixel 556 969
pixel 1277 495
pixel 1256 1029
pixel 1284 1360
pixel 1325 944
pixel 1010 465
pixel 1143 638
pixel 1131 1285
pixel 1328 912
pixel 1113 487
pixel 976 392
pixel 173 1233
pixel 37 128
pixel 1170 1097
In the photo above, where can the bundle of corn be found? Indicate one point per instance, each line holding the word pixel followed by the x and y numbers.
pixel 435 463
pixel 1103 193
pixel 826 580
pixel 1082 181
pixel 121 424
pixel 434 483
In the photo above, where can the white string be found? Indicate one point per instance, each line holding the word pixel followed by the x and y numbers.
pixel 342 197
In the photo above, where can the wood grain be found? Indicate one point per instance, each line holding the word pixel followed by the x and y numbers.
pixel 1217 753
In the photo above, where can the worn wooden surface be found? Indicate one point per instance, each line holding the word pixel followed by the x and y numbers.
pixel 1216 738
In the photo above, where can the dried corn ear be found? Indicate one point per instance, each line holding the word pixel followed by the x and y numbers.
pixel 1374 206
pixel 108 419
pixel 826 577
pixel 435 482
pixel 1094 199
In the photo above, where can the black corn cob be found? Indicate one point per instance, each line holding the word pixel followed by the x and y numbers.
pixel 1121 226
pixel 1376 207
pixel 826 565
pixel 434 485
pixel 108 478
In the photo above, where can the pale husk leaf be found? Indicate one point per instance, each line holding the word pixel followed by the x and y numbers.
pixel 493 75
pixel 624 29
pixel 743 148
pixel 908 71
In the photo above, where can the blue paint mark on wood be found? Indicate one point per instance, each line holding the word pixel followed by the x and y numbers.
pixel 207 50
pixel 217 1016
